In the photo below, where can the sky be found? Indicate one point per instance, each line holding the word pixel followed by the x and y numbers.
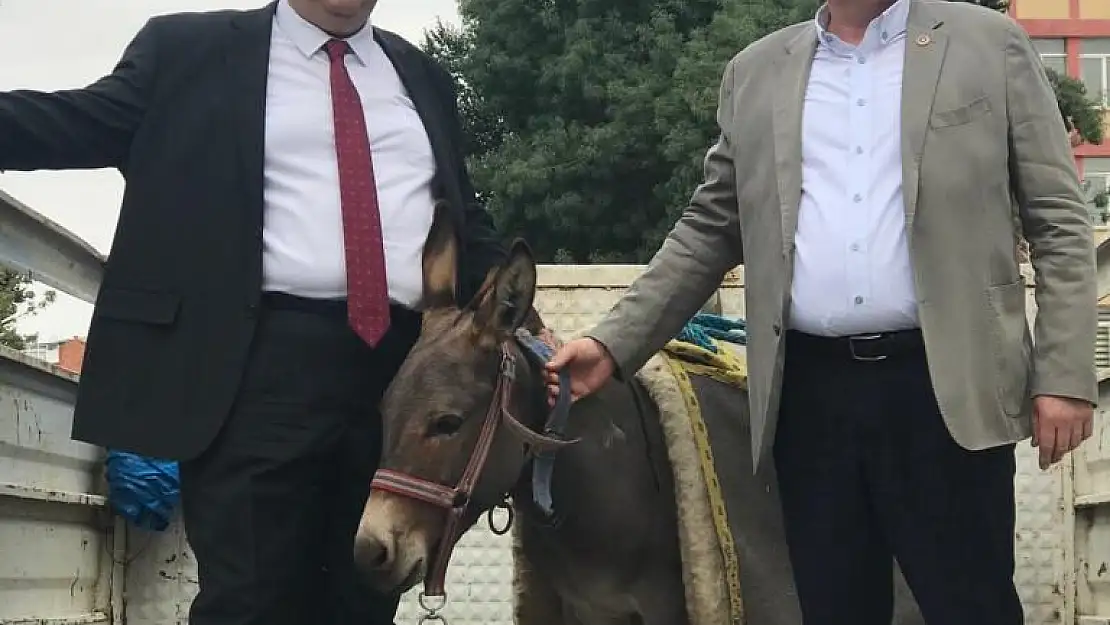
pixel 61 44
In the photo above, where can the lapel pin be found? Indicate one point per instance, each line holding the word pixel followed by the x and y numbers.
pixel 924 40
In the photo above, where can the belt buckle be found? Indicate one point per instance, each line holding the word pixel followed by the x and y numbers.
pixel 862 338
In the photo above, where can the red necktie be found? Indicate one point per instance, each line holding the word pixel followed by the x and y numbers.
pixel 367 293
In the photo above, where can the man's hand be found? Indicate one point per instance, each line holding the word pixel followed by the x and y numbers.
pixel 1060 424
pixel 589 364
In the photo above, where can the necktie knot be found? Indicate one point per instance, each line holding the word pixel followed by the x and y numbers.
pixel 337 49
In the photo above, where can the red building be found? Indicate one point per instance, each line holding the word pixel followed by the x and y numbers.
pixel 71 354
pixel 1073 37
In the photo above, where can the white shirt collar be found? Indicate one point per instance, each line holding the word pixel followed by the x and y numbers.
pixel 309 39
pixel 889 24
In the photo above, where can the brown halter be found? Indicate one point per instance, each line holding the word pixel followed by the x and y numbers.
pixel 456 501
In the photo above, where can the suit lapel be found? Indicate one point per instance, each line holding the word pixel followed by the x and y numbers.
pixel 247 61
pixel 791 77
pixel 418 81
pixel 926 45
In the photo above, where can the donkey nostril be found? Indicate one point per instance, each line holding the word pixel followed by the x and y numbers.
pixel 382 558
pixel 371 554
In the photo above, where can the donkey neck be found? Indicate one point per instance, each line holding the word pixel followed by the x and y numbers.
pixel 620 447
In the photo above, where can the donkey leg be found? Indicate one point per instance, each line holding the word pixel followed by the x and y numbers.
pixel 537 602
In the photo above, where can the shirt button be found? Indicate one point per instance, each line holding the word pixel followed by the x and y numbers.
pixel 857 198
pixel 885 36
pixel 861 60
pixel 859 149
pixel 858 300
pixel 861 102
pixel 855 247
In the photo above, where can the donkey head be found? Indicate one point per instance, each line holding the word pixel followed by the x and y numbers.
pixel 453 382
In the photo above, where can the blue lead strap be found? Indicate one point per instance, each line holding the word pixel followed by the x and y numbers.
pixel 543 464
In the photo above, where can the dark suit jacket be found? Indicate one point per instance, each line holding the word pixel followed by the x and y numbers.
pixel 181 117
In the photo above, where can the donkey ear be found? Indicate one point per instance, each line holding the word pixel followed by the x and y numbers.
pixel 507 302
pixel 441 257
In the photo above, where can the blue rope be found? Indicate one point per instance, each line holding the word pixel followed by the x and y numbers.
pixel 704 327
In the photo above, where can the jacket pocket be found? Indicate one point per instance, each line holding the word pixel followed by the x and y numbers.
pixel 1012 345
pixel 961 114
pixel 148 307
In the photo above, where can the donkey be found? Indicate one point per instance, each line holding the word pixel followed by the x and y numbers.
pixel 463 422
pixel 614 556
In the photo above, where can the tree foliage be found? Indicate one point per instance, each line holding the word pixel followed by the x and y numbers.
pixel 1082 113
pixel 586 121
pixel 17 301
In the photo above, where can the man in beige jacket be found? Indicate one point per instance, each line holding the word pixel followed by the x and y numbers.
pixel 868 170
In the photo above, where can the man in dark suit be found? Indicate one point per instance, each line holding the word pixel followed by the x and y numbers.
pixel 282 168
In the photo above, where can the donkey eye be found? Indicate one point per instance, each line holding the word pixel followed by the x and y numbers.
pixel 445 425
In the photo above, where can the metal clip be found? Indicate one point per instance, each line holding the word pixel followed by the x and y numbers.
pixel 508 365
pixel 432 612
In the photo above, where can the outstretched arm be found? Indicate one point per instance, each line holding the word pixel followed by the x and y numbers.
pixel 86 128
pixel 701 248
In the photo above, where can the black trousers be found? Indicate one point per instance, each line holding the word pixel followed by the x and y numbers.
pixel 272 507
pixel 867 469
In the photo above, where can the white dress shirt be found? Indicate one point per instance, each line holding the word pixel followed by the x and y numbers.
pixel 303 251
pixel 852 271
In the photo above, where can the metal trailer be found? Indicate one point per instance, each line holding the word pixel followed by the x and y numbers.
pixel 64 559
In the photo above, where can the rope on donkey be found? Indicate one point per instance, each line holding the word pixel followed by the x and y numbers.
pixel 704 327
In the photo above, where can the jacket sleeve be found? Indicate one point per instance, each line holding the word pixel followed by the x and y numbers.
pixel 87 128
pixel 1057 225
pixel 701 248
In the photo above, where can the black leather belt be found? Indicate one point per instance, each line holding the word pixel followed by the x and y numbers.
pixel 332 308
pixel 875 347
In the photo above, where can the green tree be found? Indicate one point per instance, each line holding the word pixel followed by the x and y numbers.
pixel 1082 113
pixel 586 120
pixel 17 301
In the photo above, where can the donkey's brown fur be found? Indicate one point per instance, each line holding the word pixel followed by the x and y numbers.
pixel 614 558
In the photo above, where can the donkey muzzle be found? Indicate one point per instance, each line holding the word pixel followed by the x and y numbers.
pixel 390 555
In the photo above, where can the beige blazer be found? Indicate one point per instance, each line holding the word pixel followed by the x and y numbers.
pixel 982 139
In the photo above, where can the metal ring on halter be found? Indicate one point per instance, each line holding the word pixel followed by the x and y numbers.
pixel 493 527
pixel 422 601
pixel 433 618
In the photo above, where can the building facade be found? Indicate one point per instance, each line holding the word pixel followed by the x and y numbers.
pixel 1073 37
